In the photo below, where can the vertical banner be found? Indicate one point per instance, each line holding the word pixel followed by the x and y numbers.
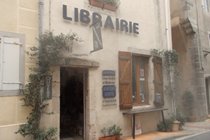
pixel 97 39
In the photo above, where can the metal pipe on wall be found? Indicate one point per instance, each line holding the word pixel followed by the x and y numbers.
pixel 41 16
pixel 168 24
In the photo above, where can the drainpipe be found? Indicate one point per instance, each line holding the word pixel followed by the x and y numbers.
pixel 41 16
pixel 169 47
pixel 168 24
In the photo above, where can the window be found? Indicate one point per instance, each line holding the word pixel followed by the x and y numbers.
pixel 11 63
pixel 140 80
pixel 134 78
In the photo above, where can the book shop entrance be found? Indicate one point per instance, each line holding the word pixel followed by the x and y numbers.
pixel 72 103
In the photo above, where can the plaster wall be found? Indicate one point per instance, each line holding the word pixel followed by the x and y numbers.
pixel 193 66
pixel 19 17
pixel 205 45
pixel 151 35
pixel 206 42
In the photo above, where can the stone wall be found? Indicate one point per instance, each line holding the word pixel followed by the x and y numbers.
pixel 191 65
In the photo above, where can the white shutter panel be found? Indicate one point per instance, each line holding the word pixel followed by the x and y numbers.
pixel 11 64
pixel 1 57
pixel 205 5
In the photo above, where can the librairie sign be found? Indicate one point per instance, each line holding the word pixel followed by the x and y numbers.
pixel 86 17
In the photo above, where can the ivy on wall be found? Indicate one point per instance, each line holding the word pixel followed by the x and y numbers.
pixel 170 61
pixel 48 53
pixel 170 57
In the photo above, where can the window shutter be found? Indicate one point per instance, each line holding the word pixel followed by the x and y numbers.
pixel 205 5
pixel 125 80
pixel 10 64
pixel 158 81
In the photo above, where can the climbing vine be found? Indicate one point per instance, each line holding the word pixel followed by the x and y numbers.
pixel 47 54
pixel 170 59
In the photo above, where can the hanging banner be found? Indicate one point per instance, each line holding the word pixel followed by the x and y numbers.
pixel 97 39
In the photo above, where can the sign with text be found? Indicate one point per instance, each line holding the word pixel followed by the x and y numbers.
pixel 106 21
pixel 109 91
pixel 109 88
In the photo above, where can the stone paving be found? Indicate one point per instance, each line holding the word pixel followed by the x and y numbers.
pixel 191 128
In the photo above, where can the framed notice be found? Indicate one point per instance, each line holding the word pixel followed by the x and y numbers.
pixel 109 87
pixel 109 91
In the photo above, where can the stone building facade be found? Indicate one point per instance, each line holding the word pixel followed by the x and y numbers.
pixel 190 35
pixel 112 65
pixel 111 74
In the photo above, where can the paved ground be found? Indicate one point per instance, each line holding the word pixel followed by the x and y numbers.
pixel 189 130
pixel 200 136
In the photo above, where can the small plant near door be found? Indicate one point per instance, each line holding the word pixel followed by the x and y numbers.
pixel 178 121
pixel 47 54
pixel 111 133
pixel 165 126
pixel 173 123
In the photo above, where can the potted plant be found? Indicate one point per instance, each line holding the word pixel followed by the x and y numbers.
pixel 111 133
pixel 174 123
pixel 165 126
pixel 175 126
pixel 105 4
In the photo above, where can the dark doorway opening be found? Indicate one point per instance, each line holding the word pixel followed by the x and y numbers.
pixel 72 103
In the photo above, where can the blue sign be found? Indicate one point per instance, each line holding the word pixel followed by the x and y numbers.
pixel 109 91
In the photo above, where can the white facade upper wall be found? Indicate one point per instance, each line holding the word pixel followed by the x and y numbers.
pixel 139 11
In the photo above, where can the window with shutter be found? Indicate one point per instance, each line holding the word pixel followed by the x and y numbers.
pixel 133 80
pixel 10 62
pixel 158 81
pixel 125 80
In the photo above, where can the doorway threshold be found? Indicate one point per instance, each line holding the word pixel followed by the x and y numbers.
pixel 72 138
